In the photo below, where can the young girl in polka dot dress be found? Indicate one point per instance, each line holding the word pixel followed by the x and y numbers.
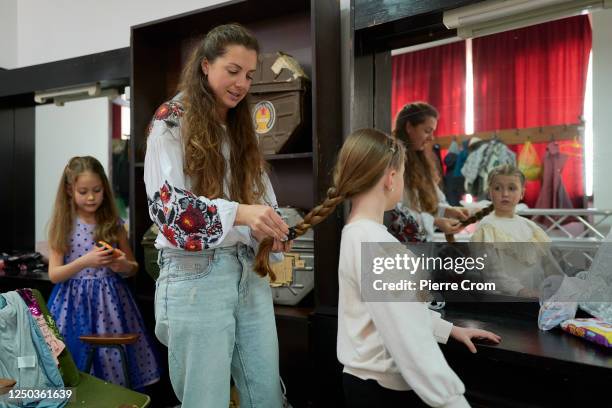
pixel 90 295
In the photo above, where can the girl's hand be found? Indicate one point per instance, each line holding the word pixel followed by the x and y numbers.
pixel 120 264
pixel 460 213
pixel 97 257
pixel 448 225
pixel 465 335
pixel 529 293
pixel 262 220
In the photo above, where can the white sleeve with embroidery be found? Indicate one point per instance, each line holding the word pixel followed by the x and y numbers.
pixel 185 220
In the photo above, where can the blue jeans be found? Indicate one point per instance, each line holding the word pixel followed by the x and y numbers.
pixel 216 316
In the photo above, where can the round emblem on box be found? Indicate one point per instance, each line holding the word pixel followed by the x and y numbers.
pixel 264 116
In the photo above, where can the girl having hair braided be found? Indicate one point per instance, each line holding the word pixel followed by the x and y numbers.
pixel 523 258
pixel 370 173
pixel 363 159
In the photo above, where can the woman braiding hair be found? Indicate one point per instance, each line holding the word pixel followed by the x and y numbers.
pixel 363 159
pixel 471 220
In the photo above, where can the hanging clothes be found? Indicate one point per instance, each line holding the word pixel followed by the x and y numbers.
pixel 484 157
pixel 453 180
pixel 461 158
pixel 553 193
pixel 48 329
pixel 24 354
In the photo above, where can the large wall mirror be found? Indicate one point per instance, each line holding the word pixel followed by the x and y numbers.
pixel 537 84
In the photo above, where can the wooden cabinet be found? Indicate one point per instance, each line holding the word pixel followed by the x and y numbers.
pixel 310 31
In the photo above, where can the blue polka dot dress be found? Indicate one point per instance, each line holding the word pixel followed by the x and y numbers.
pixel 98 301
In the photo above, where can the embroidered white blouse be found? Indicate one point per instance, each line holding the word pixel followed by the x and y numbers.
pixel 424 219
pixel 187 221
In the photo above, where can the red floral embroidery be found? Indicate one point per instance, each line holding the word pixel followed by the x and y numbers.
pixel 164 193
pixel 405 228
pixel 170 108
pixel 191 220
pixel 162 112
pixel 193 244
pixel 185 220
pixel 169 234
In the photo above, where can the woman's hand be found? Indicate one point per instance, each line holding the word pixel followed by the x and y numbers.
pixel 465 335
pixel 448 225
pixel 262 220
pixel 460 213
pixel 97 257
pixel 279 246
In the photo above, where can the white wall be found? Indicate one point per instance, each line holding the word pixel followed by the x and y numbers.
pixel 76 129
pixel 602 108
pixel 8 34
pixel 55 30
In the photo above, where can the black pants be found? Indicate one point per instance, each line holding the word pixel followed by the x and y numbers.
pixel 360 393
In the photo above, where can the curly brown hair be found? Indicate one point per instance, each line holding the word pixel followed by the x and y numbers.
pixel 420 176
pixel 202 129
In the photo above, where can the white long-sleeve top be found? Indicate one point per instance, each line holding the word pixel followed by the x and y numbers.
pixel 393 343
pixel 187 221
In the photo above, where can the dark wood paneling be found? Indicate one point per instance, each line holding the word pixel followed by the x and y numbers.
pixel 23 170
pixel 110 67
pixel 293 182
pixel 7 138
pixel 369 13
pixel 362 106
pixel 327 139
pixel 382 91
pixel 327 389
pixel 296 365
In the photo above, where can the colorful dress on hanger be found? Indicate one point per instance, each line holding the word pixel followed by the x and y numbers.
pixel 553 193
pixel 99 301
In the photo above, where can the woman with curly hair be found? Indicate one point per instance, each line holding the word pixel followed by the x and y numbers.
pixel 210 196
pixel 423 207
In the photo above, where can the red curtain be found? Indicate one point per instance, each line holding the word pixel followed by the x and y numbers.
pixel 534 76
pixel 434 75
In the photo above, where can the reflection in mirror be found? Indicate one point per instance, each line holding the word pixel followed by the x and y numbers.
pixel 533 97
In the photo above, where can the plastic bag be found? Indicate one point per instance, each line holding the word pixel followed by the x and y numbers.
pixel 529 162
pixel 559 300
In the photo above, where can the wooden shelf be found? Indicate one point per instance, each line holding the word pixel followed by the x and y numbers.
pixel 542 134
pixel 288 156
